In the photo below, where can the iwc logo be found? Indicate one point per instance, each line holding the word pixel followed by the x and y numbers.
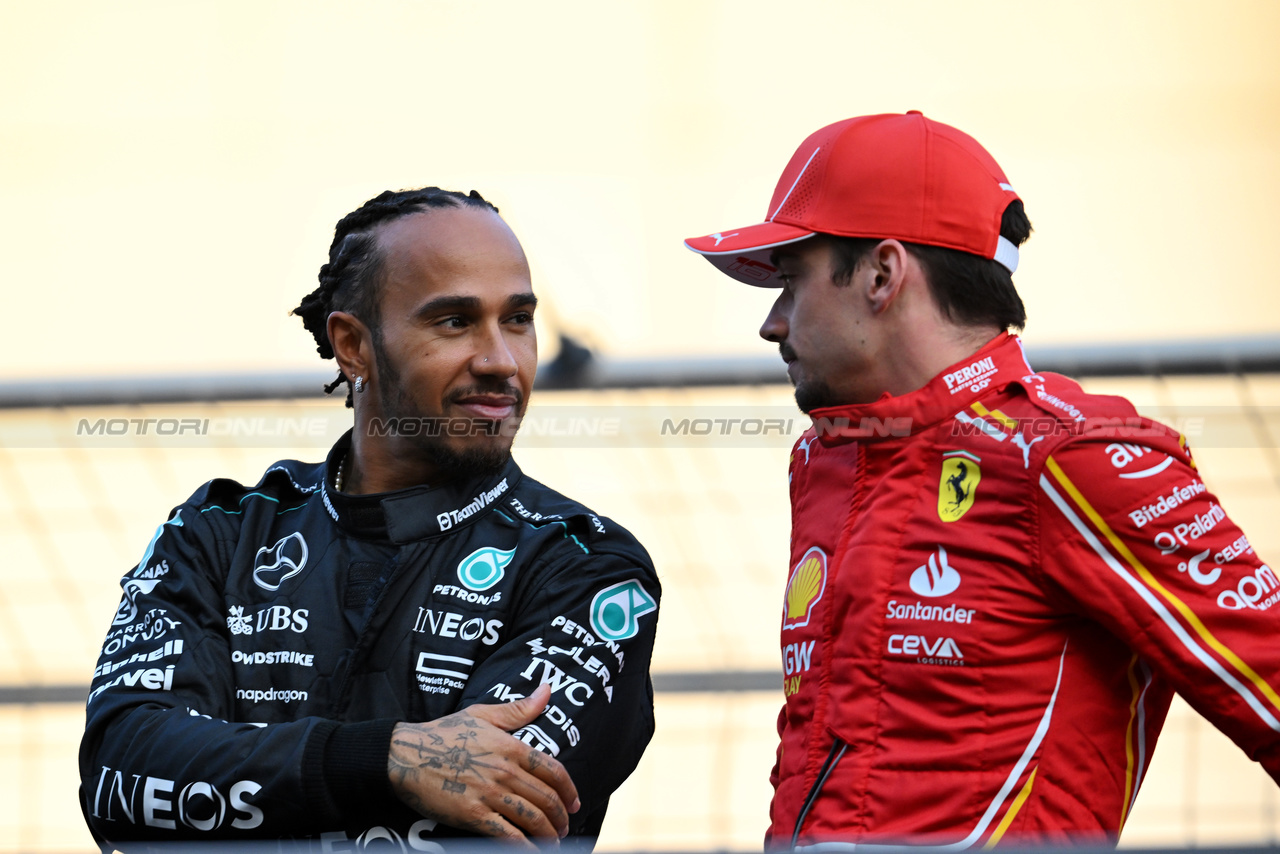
pixel 484 568
pixel 617 609
pixel 808 581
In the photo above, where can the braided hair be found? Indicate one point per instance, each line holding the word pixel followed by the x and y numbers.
pixel 350 281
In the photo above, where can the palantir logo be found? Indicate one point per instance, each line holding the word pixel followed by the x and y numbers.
pixel 284 560
pixel 617 609
pixel 484 568
pixel 935 578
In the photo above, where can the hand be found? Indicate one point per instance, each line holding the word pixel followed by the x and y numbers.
pixel 464 770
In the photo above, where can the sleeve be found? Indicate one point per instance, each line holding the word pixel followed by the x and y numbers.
pixel 586 627
pixel 1133 536
pixel 159 759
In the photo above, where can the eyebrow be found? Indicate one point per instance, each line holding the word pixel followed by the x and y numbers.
pixel 440 305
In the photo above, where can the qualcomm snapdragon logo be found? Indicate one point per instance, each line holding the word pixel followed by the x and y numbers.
pixel 484 568
pixel 935 578
pixel 617 609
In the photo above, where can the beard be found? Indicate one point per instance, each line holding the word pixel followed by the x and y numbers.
pixel 475 458
pixel 810 394
pixel 814 394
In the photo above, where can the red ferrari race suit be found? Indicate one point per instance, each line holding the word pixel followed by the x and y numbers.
pixel 997 583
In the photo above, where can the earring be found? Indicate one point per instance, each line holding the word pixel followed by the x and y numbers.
pixel 359 385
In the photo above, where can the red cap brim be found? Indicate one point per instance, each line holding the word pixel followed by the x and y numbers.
pixel 743 253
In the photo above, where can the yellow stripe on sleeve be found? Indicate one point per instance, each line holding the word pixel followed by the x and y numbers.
pixel 1145 574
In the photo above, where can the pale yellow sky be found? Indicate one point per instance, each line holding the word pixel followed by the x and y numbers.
pixel 170 173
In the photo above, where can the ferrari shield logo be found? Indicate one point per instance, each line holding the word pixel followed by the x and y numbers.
pixel 958 484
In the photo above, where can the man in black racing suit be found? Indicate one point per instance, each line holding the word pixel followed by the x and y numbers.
pixel 411 640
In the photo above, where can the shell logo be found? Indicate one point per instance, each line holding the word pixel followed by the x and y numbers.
pixel 808 581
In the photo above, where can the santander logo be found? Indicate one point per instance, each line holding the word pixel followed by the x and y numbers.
pixel 935 578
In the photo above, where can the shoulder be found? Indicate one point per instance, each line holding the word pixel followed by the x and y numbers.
pixel 284 486
pixel 1047 415
pixel 538 506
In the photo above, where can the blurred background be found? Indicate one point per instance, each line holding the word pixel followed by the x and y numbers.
pixel 170 174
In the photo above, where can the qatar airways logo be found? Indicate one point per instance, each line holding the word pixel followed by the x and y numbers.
pixel 975 376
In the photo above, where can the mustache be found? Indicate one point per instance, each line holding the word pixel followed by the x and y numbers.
pixel 786 351
pixel 496 387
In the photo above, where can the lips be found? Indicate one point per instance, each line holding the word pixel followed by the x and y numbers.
pixel 489 406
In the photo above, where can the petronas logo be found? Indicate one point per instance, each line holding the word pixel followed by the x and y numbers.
pixel 617 609
pixel 484 568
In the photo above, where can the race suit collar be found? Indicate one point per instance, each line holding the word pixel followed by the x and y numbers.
pixel 415 513
pixel 1000 362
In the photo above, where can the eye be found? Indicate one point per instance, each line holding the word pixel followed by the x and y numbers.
pixel 453 321
pixel 522 318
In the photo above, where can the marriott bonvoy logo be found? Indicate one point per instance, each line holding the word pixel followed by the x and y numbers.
pixel 975 376
pixel 449 518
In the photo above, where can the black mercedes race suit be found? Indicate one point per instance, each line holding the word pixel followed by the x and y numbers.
pixel 271 637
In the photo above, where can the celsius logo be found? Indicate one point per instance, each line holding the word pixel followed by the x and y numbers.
pixel 484 568
pixel 935 578
pixel 282 561
pixel 804 589
pixel 617 609
pixel 958 484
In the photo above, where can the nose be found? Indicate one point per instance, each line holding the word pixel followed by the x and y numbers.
pixel 494 357
pixel 775 326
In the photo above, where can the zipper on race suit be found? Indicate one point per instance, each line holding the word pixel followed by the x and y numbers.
pixel 838 747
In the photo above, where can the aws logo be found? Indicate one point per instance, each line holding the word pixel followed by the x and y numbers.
pixel 958 484
pixel 805 588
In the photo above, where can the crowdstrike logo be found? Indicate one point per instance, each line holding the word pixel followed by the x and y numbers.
pixel 936 577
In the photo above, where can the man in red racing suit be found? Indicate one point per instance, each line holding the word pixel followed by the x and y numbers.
pixel 997 581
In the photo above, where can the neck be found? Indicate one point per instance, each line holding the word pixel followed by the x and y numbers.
pixel 383 464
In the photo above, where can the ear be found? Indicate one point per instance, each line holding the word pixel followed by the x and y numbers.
pixel 886 273
pixel 352 344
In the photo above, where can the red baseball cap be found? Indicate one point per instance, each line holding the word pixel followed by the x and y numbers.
pixel 886 176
